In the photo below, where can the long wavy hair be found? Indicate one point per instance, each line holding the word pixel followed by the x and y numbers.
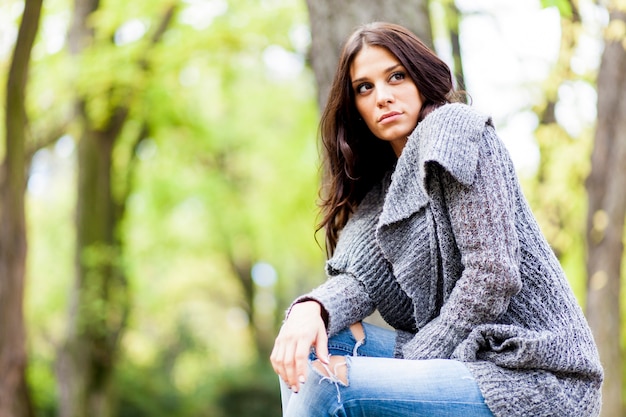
pixel 353 159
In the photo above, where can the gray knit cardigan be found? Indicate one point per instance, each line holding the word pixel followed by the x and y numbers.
pixel 448 251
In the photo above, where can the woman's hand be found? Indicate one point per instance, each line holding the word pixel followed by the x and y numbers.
pixel 303 328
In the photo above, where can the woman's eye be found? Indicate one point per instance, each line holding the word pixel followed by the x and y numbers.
pixel 398 76
pixel 363 88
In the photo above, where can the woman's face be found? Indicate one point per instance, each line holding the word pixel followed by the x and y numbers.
pixel 385 96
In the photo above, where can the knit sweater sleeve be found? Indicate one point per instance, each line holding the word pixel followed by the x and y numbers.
pixel 481 216
pixel 344 300
pixel 356 262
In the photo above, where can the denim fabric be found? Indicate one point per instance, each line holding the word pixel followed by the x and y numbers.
pixel 379 385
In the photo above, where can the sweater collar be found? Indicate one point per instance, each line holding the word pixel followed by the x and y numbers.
pixel 448 136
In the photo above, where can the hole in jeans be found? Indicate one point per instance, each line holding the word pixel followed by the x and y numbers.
pixel 336 372
pixel 359 335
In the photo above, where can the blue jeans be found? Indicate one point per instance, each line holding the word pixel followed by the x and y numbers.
pixel 379 385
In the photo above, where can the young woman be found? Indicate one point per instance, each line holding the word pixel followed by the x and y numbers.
pixel 425 221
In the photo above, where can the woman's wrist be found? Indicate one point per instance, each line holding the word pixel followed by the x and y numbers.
pixel 313 307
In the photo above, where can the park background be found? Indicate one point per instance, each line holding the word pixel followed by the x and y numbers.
pixel 161 169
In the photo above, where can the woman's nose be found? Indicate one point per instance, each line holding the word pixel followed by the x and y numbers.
pixel 384 96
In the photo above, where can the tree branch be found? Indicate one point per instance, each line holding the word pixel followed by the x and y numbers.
pixel 120 113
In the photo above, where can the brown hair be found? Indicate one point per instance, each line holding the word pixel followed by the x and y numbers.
pixel 353 159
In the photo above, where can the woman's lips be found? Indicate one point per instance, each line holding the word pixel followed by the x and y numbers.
pixel 389 117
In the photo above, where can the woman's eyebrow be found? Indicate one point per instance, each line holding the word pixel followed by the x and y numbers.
pixel 391 68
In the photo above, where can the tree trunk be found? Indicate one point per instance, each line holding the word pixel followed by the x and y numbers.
pixel 100 298
pixel 14 396
pixel 452 21
pixel 99 301
pixel 607 210
pixel 332 21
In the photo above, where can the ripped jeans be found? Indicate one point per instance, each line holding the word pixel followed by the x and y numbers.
pixel 378 385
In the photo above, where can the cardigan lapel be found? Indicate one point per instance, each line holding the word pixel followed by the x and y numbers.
pixel 449 137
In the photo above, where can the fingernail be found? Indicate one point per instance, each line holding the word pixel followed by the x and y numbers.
pixel 302 379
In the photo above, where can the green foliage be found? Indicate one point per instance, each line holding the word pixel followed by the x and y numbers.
pixel 564 6
pixel 153 389
pixel 219 160
pixel 244 391
pixel 253 392
pixel 41 381
pixel 184 379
